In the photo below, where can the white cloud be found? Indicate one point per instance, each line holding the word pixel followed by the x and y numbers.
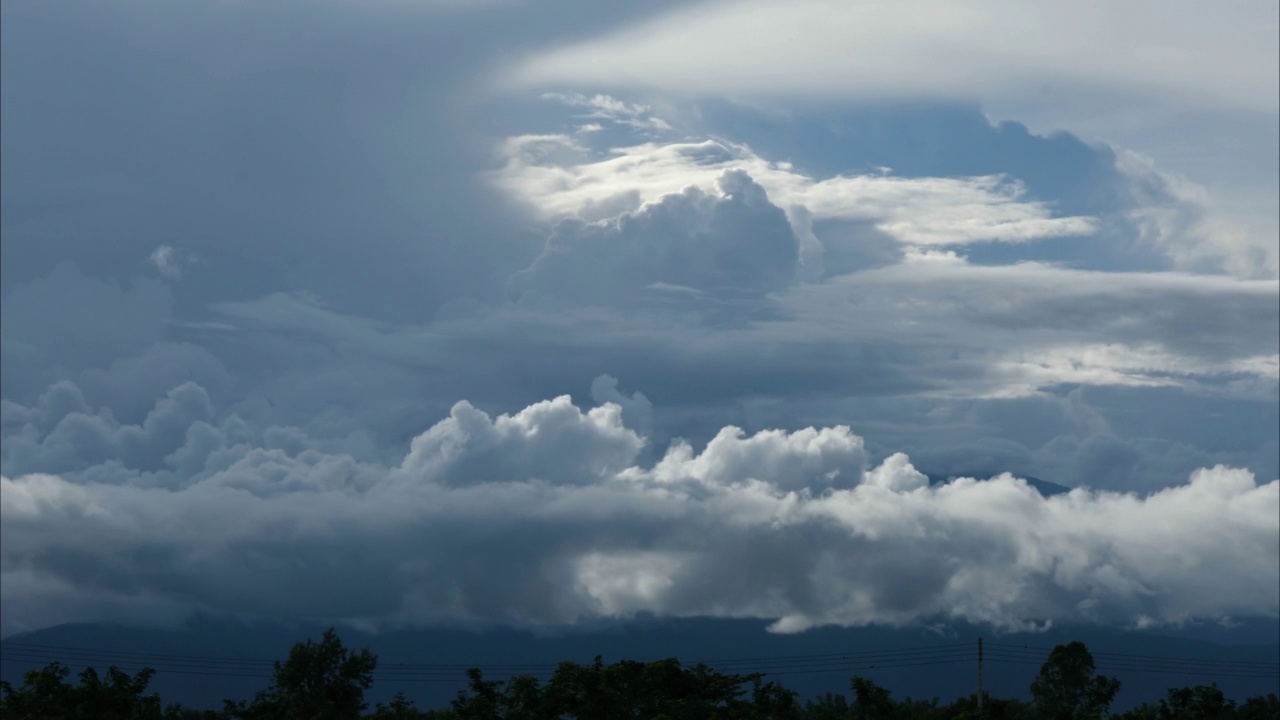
pixel 170 262
pixel 1191 85
pixel 163 257
pixel 729 239
pixel 995 50
pixel 244 438
pixel 1186 222
pixel 611 109
pixel 556 177
pixel 551 441
pixel 1145 365
pixel 548 516
pixel 945 329
pixel 1034 326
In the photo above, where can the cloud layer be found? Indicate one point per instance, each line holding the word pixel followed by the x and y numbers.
pixel 922 48
pixel 916 211
pixel 547 516
pixel 242 293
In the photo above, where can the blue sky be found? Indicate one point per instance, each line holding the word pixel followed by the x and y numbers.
pixel 540 313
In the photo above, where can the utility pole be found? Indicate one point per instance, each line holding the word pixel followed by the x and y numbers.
pixel 979 676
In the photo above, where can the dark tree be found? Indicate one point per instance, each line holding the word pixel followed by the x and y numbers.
pixel 320 681
pixel 46 694
pixel 43 693
pixel 1068 688
pixel 1260 707
pixel 482 700
pixel 628 690
pixel 1205 702
pixel 524 699
pixel 1202 702
pixel 771 701
pixel 870 701
pixel 401 708
pixel 827 706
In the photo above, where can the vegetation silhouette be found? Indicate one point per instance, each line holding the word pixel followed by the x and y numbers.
pixel 324 680
pixel 1069 688
pixel 319 681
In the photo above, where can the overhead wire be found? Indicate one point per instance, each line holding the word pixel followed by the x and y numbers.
pixel 245 667
pixel 1150 658
pixel 777 665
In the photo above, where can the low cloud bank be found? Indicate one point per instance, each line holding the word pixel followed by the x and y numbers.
pixel 551 516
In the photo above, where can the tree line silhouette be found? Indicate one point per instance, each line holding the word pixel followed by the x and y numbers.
pixel 324 680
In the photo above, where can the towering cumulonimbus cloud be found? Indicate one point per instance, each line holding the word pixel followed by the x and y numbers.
pixel 548 516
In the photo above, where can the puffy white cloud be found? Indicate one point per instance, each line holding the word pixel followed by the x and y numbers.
pixel 550 516
pixel 808 458
pixel 551 441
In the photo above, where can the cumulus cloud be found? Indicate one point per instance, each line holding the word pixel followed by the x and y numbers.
pixel 821 303
pixel 63 434
pixel 548 516
pixel 637 411
pixel 551 441
pixel 730 240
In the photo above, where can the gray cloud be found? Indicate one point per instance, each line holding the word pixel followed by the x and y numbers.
pixel 992 50
pixel 542 517
pixel 361 237
pixel 732 242
pixel 76 321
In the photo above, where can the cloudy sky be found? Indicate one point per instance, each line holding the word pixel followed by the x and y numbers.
pixel 539 313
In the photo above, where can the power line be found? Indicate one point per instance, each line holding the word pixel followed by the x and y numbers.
pixel 787 661
pixel 1104 653
pixel 398 675
pixel 1108 667
pixel 1174 663
pixel 778 665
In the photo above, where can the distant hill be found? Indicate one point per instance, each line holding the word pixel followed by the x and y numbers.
pixel 209 659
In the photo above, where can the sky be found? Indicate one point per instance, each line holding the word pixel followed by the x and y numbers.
pixel 541 314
